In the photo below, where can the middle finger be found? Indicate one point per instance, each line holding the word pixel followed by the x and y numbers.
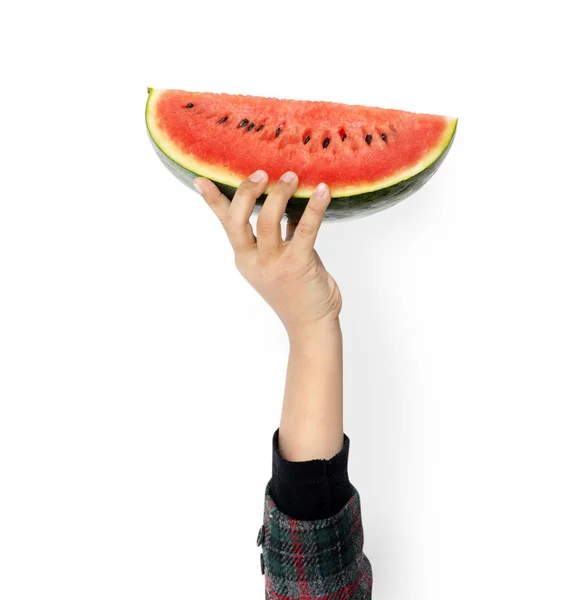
pixel 269 230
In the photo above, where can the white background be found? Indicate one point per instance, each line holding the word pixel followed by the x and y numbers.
pixel 141 378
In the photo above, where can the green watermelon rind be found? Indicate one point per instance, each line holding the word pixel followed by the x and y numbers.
pixel 344 207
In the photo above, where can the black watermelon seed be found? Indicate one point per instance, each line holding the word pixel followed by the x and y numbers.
pixel 278 131
pixel 307 139
pixel 251 127
pixel 344 137
pixel 260 127
pixel 190 105
pixel 223 120
pixel 384 137
pixel 326 142
pixel 368 139
pixel 244 123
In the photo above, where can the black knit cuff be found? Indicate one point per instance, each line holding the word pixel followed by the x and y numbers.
pixel 310 490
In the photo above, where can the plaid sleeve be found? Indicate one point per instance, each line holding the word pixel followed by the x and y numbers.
pixel 315 560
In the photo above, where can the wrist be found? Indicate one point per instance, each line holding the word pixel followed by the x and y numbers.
pixel 318 331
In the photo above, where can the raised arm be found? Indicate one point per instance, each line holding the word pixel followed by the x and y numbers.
pixel 312 536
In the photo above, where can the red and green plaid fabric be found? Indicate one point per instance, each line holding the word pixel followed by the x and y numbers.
pixel 315 560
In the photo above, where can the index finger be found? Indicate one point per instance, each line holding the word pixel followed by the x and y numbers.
pixel 218 202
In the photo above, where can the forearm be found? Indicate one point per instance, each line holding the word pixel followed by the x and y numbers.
pixel 311 511
pixel 311 425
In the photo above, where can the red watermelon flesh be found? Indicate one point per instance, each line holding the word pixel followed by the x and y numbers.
pixel 356 150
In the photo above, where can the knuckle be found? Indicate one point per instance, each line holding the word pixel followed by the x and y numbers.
pixel 228 221
pixel 304 228
pixel 250 187
pixel 264 225
pixel 247 190
pixel 224 218
pixel 265 222
pixel 267 273
pixel 313 211
pixel 282 189
pixel 292 262
pixel 212 198
pixel 246 186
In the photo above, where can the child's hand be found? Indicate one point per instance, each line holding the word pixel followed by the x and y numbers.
pixel 288 274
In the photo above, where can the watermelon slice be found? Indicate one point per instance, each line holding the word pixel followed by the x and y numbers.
pixel 371 158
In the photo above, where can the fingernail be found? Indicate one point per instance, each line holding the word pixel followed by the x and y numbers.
pixel 321 189
pixel 289 177
pixel 258 176
pixel 198 186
